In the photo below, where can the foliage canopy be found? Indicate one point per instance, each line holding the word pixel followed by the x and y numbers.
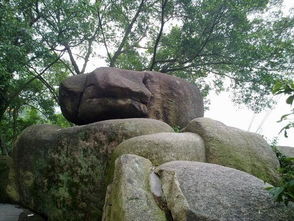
pixel 249 43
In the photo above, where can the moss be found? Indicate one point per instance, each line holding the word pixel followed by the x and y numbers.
pixel 8 190
pixel 72 177
pixel 225 155
pixel 4 172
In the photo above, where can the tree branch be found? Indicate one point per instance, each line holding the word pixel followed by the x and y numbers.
pixel 43 80
pixel 180 68
pixel 32 79
pixel 72 60
pixel 126 35
pixel 222 75
pixel 103 36
pixel 11 98
pixel 211 29
pixel 164 2
pixel 68 67
pixel 90 42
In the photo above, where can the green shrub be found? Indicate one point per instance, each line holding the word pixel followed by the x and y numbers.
pixel 285 191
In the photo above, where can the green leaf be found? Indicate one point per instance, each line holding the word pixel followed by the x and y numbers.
pixel 290 100
pixel 277 87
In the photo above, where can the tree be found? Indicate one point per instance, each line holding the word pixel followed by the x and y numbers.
pixel 205 41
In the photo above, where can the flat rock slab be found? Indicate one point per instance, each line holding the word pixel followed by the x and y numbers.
pixel 10 212
pixel 112 93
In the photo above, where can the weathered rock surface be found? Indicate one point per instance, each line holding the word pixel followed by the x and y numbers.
pixel 164 147
pixel 237 149
pixel 8 189
pixel 61 172
pixel 110 93
pixel 201 191
pixel 286 150
pixel 10 212
pixel 129 196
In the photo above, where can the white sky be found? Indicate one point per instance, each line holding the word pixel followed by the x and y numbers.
pixel 264 123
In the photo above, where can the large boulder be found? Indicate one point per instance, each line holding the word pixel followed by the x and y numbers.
pixel 286 150
pixel 236 148
pixel 129 196
pixel 164 147
pixel 210 192
pixel 8 188
pixel 62 172
pixel 111 93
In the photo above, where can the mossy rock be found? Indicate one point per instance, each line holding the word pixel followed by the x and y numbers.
pixel 235 148
pixel 129 196
pixel 61 172
pixel 160 148
pixel 8 189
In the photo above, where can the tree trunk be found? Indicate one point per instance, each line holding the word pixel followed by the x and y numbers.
pixel 3 146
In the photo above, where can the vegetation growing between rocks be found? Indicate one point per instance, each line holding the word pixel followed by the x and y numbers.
pixel 285 191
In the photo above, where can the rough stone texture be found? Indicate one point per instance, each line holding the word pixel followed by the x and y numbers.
pixel 110 93
pixel 10 212
pixel 8 189
pixel 129 196
pixel 287 151
pixel 210 192
pixel 164 147
pixel 235 148
pixel 61 173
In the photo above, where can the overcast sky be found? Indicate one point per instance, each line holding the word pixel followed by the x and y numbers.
pixel 264 123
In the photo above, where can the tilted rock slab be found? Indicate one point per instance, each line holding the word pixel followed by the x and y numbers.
pixel 129 197
pixel 210 192
pixel 111 93
pixel 61 173
pixel 235 148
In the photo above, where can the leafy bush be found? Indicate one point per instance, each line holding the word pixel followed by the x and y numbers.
pixel 286 88
pixel 285 191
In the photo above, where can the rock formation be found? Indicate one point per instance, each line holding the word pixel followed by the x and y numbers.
pixel 187 190
pixel 111 93
pixel 232 147
pixel 62 172
pixel 139 168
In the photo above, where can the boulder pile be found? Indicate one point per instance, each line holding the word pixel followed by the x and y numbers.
pixel 126 163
